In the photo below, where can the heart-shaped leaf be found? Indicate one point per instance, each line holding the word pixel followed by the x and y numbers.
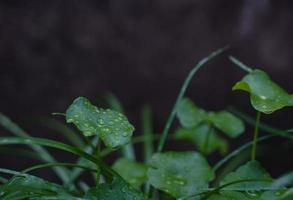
pixel 189 114
pixel 179 173
pixel 118 189
pixel 251 170
pixel 111 126
pixel 204 137
pixel 132 171
pixel 265 95
pixel 227 123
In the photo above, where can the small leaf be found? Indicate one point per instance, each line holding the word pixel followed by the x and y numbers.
pixel 227 123
pixel 133 172
pixel 117 190
pixel 265 95
pixel 189 114
pixel 179 173
pixel 111 126
pixel 199 136
pixel 251 170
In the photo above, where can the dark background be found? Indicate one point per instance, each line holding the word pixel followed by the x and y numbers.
pixel 141 51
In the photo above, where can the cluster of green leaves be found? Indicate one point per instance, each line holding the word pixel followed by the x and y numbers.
pixel 163 175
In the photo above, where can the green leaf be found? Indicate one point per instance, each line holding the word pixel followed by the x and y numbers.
pixel 229 196
pixel 248 195
pixel 251 170
pixel 189 114
pixel 117 190
pixel 25 184
pixel 111 126
pixel 227 123
pixel 179 173
pixel 133 172
pixel 199 137
pixel 265 95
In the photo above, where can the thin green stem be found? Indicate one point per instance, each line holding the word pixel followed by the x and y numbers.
pixel 147 127
pixel 181 94
pixel 255 136
pixel 240 64
pixel 148 133
pixel 206 143
pixel 264 127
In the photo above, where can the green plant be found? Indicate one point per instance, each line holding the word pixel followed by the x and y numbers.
pixel 162 175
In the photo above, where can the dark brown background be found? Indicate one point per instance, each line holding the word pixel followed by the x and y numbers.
pixel 140 50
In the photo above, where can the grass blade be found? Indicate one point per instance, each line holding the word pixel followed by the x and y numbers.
pixel 108 172
pixel 181 94
pixel 43 153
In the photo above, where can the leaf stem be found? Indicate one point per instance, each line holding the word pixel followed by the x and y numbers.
pixel 255 136
pixel 181 94
pixel 240 64
pixel 206 143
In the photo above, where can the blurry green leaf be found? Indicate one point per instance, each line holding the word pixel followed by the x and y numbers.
pixel 265 95
pixel 227 123
pixel 117 190
pixel 22 185
pixel 132 171
pixel 199 137
pixel 248 195
pixel 189 114
pixel 229 196
pixel 288 195
pixel 251 170
pixel 111 126
pixel 179 173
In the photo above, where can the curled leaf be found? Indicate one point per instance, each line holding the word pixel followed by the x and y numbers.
pixel 111 126
pixel 265 95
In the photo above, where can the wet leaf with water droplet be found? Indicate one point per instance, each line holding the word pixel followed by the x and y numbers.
pixel 118 189
pixel 265 95
pixel 132 171
pixel 111 126
pixel 179 173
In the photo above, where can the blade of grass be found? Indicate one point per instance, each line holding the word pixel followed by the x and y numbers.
pixel 127 150
pixel 48 165
pixel 20 152
pixel 44 154
pixel 77 171
pixel 108 172
pixel 66 131
pixel 240 64
pixel 181 94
